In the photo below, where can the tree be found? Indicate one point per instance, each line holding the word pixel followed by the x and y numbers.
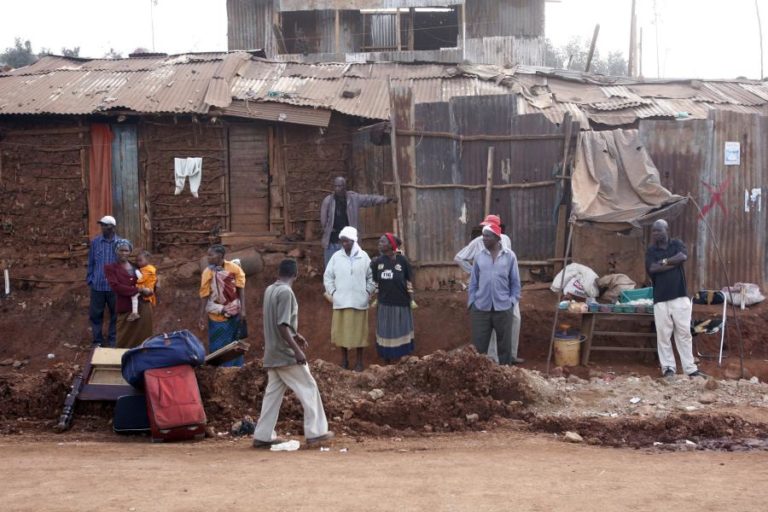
pixel 112 54
pixel 19 55
pixel 70 52
pixel 574 56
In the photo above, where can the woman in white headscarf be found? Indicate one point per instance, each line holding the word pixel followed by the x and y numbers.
pixel 349 283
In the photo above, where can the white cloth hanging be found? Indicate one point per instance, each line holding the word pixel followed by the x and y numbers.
pixel 191 168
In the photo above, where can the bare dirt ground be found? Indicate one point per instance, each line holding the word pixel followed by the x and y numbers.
pixel 444 429
pixel 503 470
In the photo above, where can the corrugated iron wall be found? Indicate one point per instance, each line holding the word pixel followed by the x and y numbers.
pixel 690 158
pixel 739 227
pixel 249 25
pixel 504 18
pixel 505 50
pixel 440 220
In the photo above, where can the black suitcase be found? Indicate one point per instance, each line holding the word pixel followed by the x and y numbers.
pixel 131 415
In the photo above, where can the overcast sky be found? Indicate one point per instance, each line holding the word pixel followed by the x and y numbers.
pixel 697 38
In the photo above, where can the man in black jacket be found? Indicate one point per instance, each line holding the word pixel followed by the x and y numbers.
pixel 672 308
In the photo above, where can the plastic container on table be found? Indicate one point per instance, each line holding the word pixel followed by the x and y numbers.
pixel 640 293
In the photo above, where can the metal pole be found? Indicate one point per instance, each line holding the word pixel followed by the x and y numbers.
pixel 632 61
pixel 560 294
pixel 760 32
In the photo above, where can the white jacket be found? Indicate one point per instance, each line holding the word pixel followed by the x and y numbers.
pixel 349 279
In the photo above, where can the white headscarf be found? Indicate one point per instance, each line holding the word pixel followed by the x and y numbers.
pixel 349 233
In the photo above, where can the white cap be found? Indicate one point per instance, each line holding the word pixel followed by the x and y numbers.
pixel 108 220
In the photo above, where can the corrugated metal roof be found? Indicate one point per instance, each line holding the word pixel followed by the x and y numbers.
pixel 321 5
pixel 194 83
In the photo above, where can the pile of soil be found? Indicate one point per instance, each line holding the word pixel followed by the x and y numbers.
pixel 445 391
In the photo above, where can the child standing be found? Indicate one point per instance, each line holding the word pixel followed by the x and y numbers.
pixel 146 276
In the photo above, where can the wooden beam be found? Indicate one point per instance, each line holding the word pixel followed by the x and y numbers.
pixel 489 181
pixel 395 166
pixel 461 186
pixel 562 210
pixel 398 35
pixel 412 17
pixel 470 138
pixel 337 31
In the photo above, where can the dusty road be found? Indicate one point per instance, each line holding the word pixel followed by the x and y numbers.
pixel 473 472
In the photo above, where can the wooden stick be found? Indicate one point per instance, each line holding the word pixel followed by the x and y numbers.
pixel 533 184
pixel 559 297
pixel 562 210
pixel 470 138
pixel 489 181
pixel 395 167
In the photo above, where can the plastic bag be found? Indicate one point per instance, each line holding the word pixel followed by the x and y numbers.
pixel 749 293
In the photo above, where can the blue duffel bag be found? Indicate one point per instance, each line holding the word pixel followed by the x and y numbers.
pixel 161 351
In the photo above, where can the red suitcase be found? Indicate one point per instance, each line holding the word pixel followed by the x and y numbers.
pixel 174 406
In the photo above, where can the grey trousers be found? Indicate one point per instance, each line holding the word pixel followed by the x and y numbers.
pixel 492 346
pixel 498 322
pixel 298 378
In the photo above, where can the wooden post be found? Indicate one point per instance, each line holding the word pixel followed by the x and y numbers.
pixel 489 181
pixel 395 167
pixel 632 59
pixel 412 12
pixel 398 36
pixel 562 210
pixel 559 297
pixel 592 48
pixel 337 31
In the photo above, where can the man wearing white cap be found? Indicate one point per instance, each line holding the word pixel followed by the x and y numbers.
pixel 100 253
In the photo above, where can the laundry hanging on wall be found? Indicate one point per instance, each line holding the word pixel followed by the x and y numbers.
pixel 191 168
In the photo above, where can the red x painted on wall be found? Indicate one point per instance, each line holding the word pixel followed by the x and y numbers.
pixel 716 197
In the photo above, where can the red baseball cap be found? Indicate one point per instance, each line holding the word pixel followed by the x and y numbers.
pixel 495 228
pixel 491 220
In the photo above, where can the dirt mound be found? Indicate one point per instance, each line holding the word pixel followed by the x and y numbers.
pixel 647 432
pixel 39 396
pixel 444 391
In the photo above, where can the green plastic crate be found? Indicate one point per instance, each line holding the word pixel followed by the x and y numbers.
pixel 640 293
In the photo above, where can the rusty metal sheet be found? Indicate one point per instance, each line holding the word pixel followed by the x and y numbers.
pixel 316 5
pixel 740 234
pixel 279 112
pixel 681 153
pixel 518 17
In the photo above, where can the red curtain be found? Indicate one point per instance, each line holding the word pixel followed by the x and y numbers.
pixel 99 177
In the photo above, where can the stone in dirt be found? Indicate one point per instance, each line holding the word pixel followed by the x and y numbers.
pixel 707 398
pixel 472 418
pixel 18 364
pixel 6 362
pixel 573 437
pixel 711 385
pixel 375 394
pixel 296 253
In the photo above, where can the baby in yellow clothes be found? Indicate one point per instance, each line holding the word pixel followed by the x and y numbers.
pixel 146 278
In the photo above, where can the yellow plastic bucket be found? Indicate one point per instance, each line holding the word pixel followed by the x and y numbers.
pixel 568 350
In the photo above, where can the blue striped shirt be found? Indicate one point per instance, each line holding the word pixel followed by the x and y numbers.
pixel 494 285
pixel 102 252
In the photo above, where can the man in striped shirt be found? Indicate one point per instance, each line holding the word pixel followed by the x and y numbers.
pixel 102 252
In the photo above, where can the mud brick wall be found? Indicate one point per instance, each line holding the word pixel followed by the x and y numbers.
pixel 310 160
pixel 43 206
pixel 183 221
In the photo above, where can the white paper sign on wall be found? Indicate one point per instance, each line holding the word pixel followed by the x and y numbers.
pixel 732 153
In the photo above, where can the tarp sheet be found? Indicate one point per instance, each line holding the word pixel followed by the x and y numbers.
pixel 99 177
pixel 615 184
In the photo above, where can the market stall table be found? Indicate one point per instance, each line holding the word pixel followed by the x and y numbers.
pixel 589 319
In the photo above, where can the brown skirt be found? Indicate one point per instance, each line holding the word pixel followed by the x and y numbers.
pixel 131 334
pixel 349 328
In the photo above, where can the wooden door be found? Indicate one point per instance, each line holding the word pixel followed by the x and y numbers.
pixel 248 179
pixel 125 183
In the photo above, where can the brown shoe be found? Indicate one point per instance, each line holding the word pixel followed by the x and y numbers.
pixel 266 444
pixel 319 439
